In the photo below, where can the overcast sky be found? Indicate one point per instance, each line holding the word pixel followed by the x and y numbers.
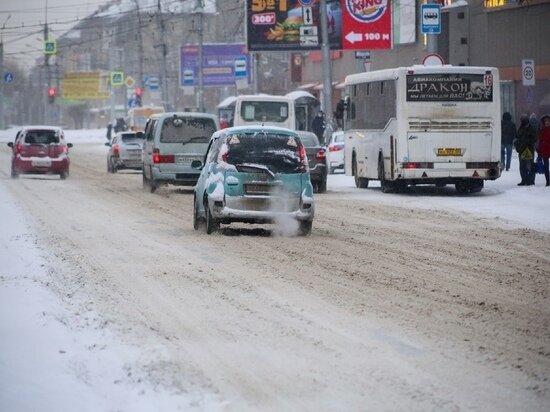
pixel 23 32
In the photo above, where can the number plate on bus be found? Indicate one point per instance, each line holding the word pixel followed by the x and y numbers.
pixel 446 151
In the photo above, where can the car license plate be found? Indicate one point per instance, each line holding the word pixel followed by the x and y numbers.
pixel 446 151
pixel 184 161
pixel 41 163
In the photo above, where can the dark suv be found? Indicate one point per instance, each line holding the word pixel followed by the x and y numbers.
pixel 40 150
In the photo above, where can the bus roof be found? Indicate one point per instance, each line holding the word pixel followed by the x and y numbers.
pixel 392 74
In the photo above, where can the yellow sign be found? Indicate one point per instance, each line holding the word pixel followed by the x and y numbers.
pixel 84 86
pixel 130 82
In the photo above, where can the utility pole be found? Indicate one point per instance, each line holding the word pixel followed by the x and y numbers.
pixel 164 89
pixel 140 47
pixel 2 80
pixel 46 70
pixel 200 94
pixel 327 68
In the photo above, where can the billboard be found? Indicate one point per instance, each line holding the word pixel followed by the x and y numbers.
pixel 222 64
pixel 367 24
pixel 461 87
pixel 84 86
pixel 277 25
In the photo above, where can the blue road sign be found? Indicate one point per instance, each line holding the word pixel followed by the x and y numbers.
pixel 8 77
pixel 240 66
pixel 431 18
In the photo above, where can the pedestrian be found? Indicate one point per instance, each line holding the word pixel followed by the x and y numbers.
pixel 109 131
pixel 543 148
pixel 525 146
pixel 224 123
pixel 318 125
pixel 508 133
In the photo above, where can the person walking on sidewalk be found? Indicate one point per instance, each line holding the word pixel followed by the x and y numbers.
pixel 508 133
pixel 543 149
pixel 525 146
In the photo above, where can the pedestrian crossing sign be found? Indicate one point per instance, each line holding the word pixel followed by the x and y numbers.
pixel 117 78
pixel 50 47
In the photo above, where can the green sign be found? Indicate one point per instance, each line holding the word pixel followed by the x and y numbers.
pixel 50 47
pixel 117 78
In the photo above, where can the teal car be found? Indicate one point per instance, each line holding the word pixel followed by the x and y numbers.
pixel 254 174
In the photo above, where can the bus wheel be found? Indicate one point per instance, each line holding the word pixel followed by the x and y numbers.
pixel 384 184
pixel 462 187
pixel 360 182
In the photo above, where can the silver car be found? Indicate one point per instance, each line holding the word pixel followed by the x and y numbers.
pixel 125 151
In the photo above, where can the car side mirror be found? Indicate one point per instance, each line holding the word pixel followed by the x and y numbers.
pixel 10 144
pixel 140 135
pixel 196 164
pixel 108 144
pixel 69 145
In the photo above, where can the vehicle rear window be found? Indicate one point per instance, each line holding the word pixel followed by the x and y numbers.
pixel 131 137
pixel 41 137
pixel 187 129
pixel 279 153
pixel 309 139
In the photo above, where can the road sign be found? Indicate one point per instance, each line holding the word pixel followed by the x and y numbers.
pixel 362 54
pixel 130 82
pixel 117 78
pixel 240 66
pixel 188 77
pixel 132 103
pixel 8 77
pixel 431 18
pixel 307 16
pixel 433 59
pixel 528 72
pixel 153 82
pixel 50 47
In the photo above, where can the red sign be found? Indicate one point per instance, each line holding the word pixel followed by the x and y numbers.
pixel 366 24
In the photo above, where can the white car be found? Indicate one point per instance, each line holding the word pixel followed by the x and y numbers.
pixel 335 152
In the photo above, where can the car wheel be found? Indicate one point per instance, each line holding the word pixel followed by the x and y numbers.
pixel 196 218
pixel 212 225
pixel 322 186
pixel 109 166
pixel 63 175
pixel 113 167
pixel 153 185
pixel 305 228
pixel 14 174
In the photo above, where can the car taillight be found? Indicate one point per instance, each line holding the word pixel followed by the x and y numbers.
pixel 158 158
pixel 115 150
pixel 321 154
pixel 335 147
pixel 303 163
pixel 18 148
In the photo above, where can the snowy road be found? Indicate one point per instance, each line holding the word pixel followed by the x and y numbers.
pixel 383 307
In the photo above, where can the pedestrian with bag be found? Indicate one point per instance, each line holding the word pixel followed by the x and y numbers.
pixel 543 148
pixel 508 134
pixel 525 146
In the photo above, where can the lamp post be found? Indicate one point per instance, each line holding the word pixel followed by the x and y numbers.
pixel 200 94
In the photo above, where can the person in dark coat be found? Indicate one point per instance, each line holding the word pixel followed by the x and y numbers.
pixel 318 125
pixel 525 146
pixel 543 148
pixel 508 134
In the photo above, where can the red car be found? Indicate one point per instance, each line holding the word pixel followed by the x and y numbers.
pixel 40 150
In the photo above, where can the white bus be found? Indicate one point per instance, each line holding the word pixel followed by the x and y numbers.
pixel 423 125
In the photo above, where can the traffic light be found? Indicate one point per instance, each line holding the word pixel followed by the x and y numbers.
pixel 52 92
pixel 139 94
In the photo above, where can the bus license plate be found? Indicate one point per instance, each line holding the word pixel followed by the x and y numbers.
pixel 446 151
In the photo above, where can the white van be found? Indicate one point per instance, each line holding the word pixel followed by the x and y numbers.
pixel 269 110
pixel 174 144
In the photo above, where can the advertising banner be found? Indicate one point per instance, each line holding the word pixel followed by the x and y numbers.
pixel 222 64
pixel 367 24
pixel 291 24
pixel 450 88
pixel 84 86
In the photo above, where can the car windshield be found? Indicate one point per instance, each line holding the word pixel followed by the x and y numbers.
pixel 41 137
pixel 264 111
pixel 187 129
pixel 280 153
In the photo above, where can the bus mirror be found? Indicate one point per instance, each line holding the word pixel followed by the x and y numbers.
pixel 140 135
